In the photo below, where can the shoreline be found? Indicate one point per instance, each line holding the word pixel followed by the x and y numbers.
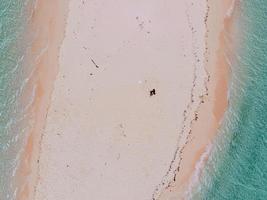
pixel 41 106
pixel 144 125
pixel 196 152
pixel 219 89
pixel 43 56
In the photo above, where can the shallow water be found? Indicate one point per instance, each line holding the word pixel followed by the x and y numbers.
pixel 13 76
pixel 237 168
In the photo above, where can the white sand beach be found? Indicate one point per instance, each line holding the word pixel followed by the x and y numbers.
pixel 132 77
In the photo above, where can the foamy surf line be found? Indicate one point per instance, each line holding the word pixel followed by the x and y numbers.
pixel 194 180
pixel 197 176
pixel 238 168
pixel 46 34
pixel 13 78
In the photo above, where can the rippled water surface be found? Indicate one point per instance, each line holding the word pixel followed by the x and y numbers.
pixel 237 169
pixel 13 22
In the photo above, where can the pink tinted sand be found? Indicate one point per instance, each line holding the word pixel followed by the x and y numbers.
pixel 47 31
pixel 210 113
pixel 103 136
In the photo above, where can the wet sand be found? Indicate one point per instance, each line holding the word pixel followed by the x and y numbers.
pixel 131 98
pixel 209 114
pixel 46 31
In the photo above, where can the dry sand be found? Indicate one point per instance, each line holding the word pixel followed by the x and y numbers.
pixel 209 114
pixel 105 137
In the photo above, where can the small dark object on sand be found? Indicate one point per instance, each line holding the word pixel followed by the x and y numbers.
pixel 94 63
pixel 152 92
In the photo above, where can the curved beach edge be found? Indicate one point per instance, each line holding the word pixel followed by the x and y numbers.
pixel 48 21
pixel 210 113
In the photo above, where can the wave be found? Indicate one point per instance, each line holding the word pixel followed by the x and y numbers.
pixel 230 11
pixel 194 180
pixel 15 74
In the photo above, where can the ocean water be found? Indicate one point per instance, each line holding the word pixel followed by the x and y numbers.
pixel 237 167
pixel 14 73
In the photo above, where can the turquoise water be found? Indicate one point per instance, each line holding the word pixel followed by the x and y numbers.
pixel 237 169
pixel 13 47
